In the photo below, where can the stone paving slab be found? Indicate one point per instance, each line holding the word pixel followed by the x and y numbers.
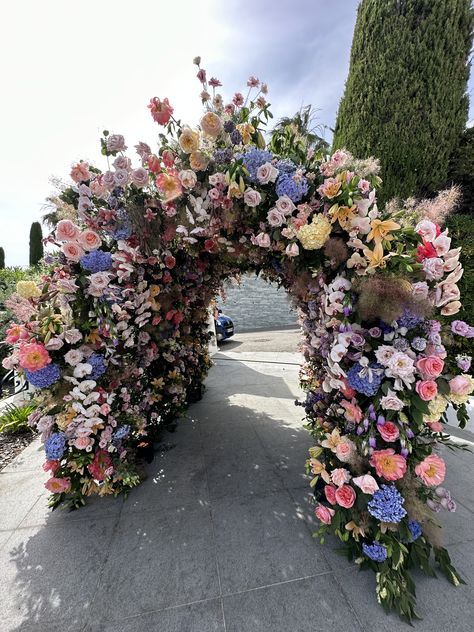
pixel 218 538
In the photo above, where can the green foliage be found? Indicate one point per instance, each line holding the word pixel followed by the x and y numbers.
pixel 14 419
pixel 461 170
pixel 36 244
pixel 405 98
pixel 294 137
pixel 2 259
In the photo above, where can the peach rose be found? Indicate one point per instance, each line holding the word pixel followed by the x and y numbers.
pixel 73 251
pixel 324 514
pixel 461 385
pixel 89 240
pixel 344 450
pixel 345 496
pixel 211 124
pixel 427 389
pixel 198 161
pixel 80 172
pixel 67 230
pixel 430 367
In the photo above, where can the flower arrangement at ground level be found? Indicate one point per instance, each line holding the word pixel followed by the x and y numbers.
pixel 115 337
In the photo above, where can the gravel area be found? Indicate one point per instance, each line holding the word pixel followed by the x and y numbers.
pixel 12 444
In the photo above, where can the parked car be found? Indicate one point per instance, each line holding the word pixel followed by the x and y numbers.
pixel 224 326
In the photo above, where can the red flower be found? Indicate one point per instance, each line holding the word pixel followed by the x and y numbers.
pixel 161 111
pixel 154 163
pixel 170 262
pixel 210 245
pixel 426 251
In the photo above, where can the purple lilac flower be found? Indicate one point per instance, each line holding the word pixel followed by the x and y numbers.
pixel 294 190
pixel 44 377
pixel 365 382
pixel 54 446
pixel 409 320
pixel 415 529
pixel 387 504
pixel 229 127
pixel 97 261
pixel 375 551
pixel 236 137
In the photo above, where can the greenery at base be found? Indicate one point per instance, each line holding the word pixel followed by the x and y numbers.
pixel 2 258
pixel 405 99
pixel 14 419
pixel 36 244
pixel 461 170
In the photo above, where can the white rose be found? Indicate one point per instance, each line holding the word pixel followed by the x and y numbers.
pixel 442 244
pixel 82 370
pixel 285 205
pixel 433 268
pixel 267 173
pixel 252 198
pixel 74 357
pixel 188 178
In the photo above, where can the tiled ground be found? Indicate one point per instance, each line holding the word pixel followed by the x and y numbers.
pixel 217 539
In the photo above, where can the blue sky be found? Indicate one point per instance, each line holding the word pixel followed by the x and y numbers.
pixel 78 68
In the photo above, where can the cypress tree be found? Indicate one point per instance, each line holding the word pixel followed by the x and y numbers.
pixel 2 259
pixel 36 243
pixel 461 170
pixel 405 98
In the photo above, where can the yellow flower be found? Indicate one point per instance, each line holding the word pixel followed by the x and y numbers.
pixel 332 440
pixel 313 236
pixel 234 190
pixel 380 230
pixel 375 257
pixel 198 161
pixel 246 130
pixel 27 289
pixel 343 214
pixel 158 382
pixel 319 469
pixel 356 529
pixel 189 140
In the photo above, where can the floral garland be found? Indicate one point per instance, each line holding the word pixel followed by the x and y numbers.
pixel 115 338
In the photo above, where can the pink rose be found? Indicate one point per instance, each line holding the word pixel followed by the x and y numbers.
pixel 292 250
pixel 428 230
pixel 433 268
pixel 367 483
pixel 262 240
pixel 140 177
pixel 430 367
pixel 73 251
pixel 435 426
pixel 82 443
pixel 267 173
pixel 108 180
pixel 285 205
pixel 420 290
pixel 80 172
pixel 388 431
pixel 324 514
pixel 67 230
pixel 252 198
pixel 275 218
pixel 461 385
pixel 89 239
pixel 116 142
pixel 426 389
pixel 121 177
pixel 340 476
pixel 330 493
pixel 345 496
pixel 344 450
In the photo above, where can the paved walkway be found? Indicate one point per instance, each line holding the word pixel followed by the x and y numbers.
pixel 217 539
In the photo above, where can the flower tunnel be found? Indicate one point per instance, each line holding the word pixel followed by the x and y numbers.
pixel 115 338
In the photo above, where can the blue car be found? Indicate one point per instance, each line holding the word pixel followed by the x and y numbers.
pixel 224 326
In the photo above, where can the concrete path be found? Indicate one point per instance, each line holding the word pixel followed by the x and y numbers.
pixel 217 539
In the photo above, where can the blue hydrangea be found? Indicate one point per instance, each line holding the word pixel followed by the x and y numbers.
pixel 123 230
pixel 409 320
pixel 121 433
pixel 419 344
pixel 97 261
pixel 415 529
pixel 54 446
pixel 286 166
pixel 44 377
pixel 376 552
pixel 387 504
pixel 369 383
pixel 254 159
pixel 98 366
pixel 294 190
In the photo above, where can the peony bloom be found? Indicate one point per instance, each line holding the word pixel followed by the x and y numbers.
pixel 67 230
pixel 461 387
pixel 161 111
pixel 345 496
pixel 33 356
pixel 367 483
pixel 211 124
pixel 325 514
pixel 388 465
pixel 427 389
pixel 89 240
pixel 58 485
pixel 431 470
pixel 169 186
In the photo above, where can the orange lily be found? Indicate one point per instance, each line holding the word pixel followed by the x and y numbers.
pixel 381 229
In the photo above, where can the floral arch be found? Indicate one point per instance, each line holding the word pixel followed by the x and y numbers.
pixel 116 337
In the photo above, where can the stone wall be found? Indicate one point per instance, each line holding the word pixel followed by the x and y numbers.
pixel 256 304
